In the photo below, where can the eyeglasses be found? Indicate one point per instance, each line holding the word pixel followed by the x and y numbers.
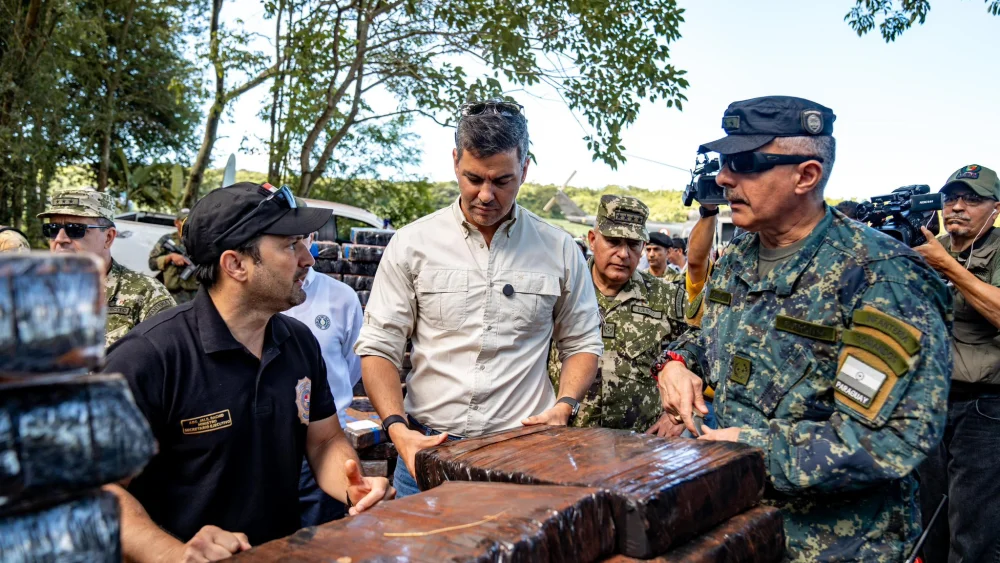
pixel 970 199
pixel 491 106
pixel 282 196
pixel 749 162
pixel 73 230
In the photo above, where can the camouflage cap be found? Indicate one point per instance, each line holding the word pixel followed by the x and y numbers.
pixel 182 214
pixel 622 217
pixel 80 202
pixel 978 178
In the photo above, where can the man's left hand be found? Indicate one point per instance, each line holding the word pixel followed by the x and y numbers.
pixel 721 435
pixel 666 427
pixel 934 252
pixel 365 492
pixel 555 416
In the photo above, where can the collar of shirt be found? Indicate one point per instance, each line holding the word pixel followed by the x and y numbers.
pixel 467 227
pixel 747 253
pixel 634 288
pixel 215 334
pixel 310 276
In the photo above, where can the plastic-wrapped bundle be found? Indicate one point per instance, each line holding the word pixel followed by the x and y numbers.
pixel 338 277
pixel 346 267
pixel 376 237
pixel 461 522
pixel 663 491
pixel 363 297
pixel 329 250
pixel 359 283
pixel 362 253
pixel 59 439
pixel 84 530
pixel 51 314
pixel 756 536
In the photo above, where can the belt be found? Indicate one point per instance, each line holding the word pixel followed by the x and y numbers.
pixel 964 391
pixel 428 431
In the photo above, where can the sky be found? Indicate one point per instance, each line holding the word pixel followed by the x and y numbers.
pixel 908 112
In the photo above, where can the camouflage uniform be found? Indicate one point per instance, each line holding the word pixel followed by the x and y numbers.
pixel 181 290
pixel 672 276
pixel 836 365
pixel 636 323
pixel 13 241
pixel 131 296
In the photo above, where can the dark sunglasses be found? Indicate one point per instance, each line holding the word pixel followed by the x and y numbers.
pixel 491 106
pixel 749 162
pixel 73 230
pixel 972 200
pixel 282 196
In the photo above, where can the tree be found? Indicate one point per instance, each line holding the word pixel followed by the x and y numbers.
pixel 893 21
pixel 353 67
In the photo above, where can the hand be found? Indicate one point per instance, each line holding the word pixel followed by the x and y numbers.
pixel 555 416
pixel 177 259
pixel 721 435
pixel 680 393
pixel 409 442
pixel 371 490
pixel 934 252
pixel 665 427
pixel 210 544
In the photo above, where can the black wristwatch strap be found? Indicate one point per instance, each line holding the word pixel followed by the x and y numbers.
pixel 707 212
pixel 573 403
pixel 393 420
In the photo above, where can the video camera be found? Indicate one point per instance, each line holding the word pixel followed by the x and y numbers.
pixel 703 187
pixel 901 213
pixel 189 269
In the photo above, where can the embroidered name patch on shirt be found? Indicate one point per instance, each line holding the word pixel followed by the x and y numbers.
pixel 207 423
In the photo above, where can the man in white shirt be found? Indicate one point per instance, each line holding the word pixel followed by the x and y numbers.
pixel 480 287
pixel 333 314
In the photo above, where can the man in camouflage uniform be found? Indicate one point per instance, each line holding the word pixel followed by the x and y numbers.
pixel 826 342
pixel 657 249
pixel 171 265
pixel 639 314
pixel 82 220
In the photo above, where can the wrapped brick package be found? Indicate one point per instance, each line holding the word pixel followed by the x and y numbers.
pixel 376 237
pixel 756 536
pixel 84 530
pixel 478 522
pixel 51 314
pixel 363 297
pixel 362 253
pixel 61 438
pixel 359 283
pixel 328 250
pixel 663 491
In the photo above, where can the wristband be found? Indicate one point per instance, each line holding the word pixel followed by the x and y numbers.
pixel 707 212
pixel 389 421
pixel 668 356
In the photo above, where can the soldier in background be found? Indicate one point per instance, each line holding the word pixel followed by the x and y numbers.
pixel 13 240
pixel 171 264
pixel 82 220
pixel 656 253
pixel 639 314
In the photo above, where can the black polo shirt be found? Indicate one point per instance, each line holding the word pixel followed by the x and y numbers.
pixel 231 428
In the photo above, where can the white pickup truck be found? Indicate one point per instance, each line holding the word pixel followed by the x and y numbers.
pixel 138 231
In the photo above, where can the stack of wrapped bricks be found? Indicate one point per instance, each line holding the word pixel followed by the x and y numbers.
pixel 63 431
pixel 354 263
pixel 562 494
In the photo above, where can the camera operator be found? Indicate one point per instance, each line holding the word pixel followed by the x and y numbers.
pixel 965 466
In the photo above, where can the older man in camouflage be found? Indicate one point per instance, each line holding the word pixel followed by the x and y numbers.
pixel 82 220
pixel 173 263
pixel 639 314
pixel 826 342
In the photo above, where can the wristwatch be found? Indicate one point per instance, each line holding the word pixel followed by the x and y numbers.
pixel 707 212
pixel 574 404
pixel 389 421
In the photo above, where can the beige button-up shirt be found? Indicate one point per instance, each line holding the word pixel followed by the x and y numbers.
pixel 479 356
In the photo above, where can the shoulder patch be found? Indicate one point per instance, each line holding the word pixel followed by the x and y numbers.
pixel 163 305
pixel 680 297
pixel 608 330
pixel 901 332
pixel 806 329
pixel 878 344
pixel 719 296
pixel 695 305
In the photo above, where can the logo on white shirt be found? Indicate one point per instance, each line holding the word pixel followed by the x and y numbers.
pixel 322 322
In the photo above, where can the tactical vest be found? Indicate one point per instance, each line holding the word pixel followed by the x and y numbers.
pixel 976 343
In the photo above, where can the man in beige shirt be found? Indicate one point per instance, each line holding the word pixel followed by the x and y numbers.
pixel 481 288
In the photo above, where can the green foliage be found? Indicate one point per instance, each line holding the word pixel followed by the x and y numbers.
pixel 893 21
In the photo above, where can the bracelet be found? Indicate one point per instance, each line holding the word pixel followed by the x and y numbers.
pixel 668 356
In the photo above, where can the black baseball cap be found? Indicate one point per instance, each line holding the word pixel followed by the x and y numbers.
pixel 751 124
pixel 660 239
pixel 230 216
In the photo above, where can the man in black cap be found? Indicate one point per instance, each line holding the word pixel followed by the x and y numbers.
pixel 825 342
pixel 235 393
pixel 656 253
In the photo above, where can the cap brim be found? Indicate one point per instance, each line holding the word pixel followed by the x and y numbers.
pixel 301 221
pixel 732 144
pixel 979 190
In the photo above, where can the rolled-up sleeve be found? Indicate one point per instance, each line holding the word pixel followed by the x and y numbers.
pixel 577 323
pixel 392 308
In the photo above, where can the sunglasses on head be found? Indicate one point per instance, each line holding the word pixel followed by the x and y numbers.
pixel 969 198
pixel 73 230
pixel 749 162
pixel 283 197
pixel 491 106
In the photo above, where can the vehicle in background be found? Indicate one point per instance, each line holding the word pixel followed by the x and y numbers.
pixel 138 231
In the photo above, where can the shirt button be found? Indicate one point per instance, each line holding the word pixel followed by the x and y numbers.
pixel 481 245
pixel 475 407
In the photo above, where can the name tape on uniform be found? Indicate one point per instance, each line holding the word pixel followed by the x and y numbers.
pixel 207 423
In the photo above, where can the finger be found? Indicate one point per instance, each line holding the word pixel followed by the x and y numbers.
pixel 226 540
pixel 244 540
pixel 435 440
pixel 375 494
pixel 390 493
pixel 685 406
pixel 353 473
pixel 699 401
pixel 653 428
pixel 216 552
pixel 531 421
